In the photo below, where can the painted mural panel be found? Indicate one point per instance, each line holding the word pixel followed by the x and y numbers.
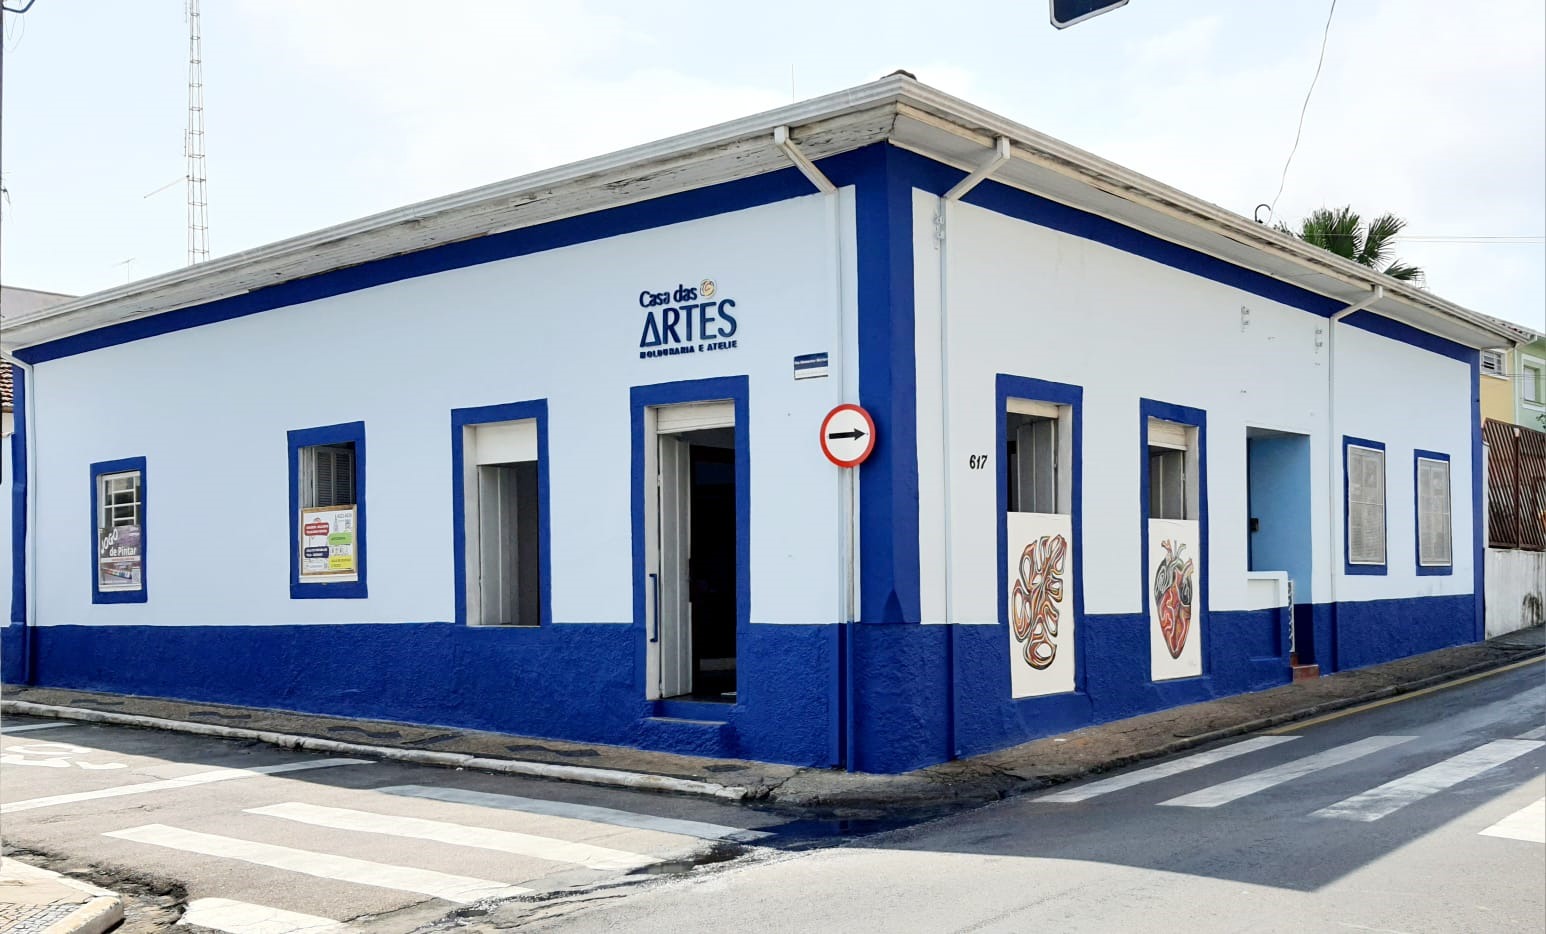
pixel 1174 582
pixel 1041 605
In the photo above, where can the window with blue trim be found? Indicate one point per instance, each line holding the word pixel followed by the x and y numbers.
pixel 1365 474
pixel 505 539
pixel 327 511
pixel 118 531
pixel 1434 530
pixel 498 461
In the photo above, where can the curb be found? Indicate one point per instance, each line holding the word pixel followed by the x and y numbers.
pixel 98 915
pixel 927 791
pixel 983 790
pixel 572 773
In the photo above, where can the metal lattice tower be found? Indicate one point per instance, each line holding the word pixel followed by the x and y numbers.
pixel 193 144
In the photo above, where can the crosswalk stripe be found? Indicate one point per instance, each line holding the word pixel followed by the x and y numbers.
pixel 186 781
pixel 503 841
pixel 1164 770
pixel 588 812
pixel 1396 794
pixel 1226 792
pixel 29 727
pixel 1528 824
pixel 1537 733
pixel 1393 795
pixel 452 888
pixel 233 917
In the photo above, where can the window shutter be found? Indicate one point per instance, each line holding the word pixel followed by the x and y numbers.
pixel 1365 505
pixel 1492 362
pixel 1433 520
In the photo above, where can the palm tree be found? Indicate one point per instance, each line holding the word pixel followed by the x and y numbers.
pixel 1342 231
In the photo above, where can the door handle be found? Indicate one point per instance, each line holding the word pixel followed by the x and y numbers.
pixel 655 623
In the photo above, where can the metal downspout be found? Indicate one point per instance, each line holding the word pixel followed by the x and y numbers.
pixel 28 431
pixel 1001 154
pixel 1333 455
pixel 847 494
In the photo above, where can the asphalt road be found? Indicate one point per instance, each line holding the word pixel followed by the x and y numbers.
pixel 258 840
pixel 1420 815
pixel 1425 813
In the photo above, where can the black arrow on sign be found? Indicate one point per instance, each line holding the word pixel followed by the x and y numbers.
pixel 855 435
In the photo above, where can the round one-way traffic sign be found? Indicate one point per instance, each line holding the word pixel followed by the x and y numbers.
pixel 847 435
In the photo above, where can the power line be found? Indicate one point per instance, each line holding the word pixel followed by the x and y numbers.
pixel 1273 208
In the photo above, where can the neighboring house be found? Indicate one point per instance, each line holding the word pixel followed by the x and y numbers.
pixel 1513 381
pixel 1130 451
pixel 16 303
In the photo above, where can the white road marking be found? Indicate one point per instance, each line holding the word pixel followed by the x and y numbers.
pixel 233 917
pixel 1164 770
pixel 1229 791
pixel 1528 824
pixel 1375 803
pixel 1537 733
pixel 600 815
pixel 29 727
pixel 483 838
pixel 461 889
pixel 197 778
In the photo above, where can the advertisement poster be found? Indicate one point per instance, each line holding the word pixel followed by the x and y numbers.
pixel 1041 606
pixel 119 558
pixel 1175 597
pixel 327 542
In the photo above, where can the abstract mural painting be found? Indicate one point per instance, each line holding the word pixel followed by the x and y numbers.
pixel 1174 585
pixel 1039 610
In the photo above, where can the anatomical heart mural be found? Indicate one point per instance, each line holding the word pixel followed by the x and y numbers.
pixel 1040 604
pixel 1175 594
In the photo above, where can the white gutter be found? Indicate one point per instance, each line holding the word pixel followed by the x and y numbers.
pixel 234 274
pixel 1334 452
pixel 806 166
pixel 1002 151
pixel 29 510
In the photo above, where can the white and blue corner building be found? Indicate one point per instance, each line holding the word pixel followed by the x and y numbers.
pixel 543 457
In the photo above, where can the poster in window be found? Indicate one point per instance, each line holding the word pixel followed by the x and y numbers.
pixel 1040 602
pixel 120 560
pixel 1174 582
pixel 327 543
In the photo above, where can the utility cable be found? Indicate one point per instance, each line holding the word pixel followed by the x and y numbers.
pixel 1272 209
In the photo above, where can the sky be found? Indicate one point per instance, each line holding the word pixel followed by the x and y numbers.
pixel 322 112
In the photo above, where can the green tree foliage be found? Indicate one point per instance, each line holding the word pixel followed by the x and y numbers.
pixel 1342 231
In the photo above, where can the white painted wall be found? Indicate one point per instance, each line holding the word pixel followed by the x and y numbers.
pixel 1029 301
pixel 1516 589
pixel 209 408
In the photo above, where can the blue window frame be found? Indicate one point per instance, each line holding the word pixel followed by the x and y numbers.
pixel 1365 527
pixel 118 541
pixel 335 436
pixel 1196 419
pixel 462 419
pixel 1432 505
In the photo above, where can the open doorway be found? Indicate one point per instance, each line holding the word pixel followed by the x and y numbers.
pixel 695 569
pixel 1278 493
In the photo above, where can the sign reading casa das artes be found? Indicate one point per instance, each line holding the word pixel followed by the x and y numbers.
pixel 686 320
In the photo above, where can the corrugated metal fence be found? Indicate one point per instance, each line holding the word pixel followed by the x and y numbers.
pixel 1516 486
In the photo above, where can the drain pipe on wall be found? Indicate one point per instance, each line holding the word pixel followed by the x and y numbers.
pixel 843 742
pixel 1333 455
pixel 28 473
pixel 1001 154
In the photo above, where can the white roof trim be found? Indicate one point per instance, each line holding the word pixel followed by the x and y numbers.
pixel 823 126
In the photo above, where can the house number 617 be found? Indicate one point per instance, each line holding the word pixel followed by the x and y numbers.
pixel 977 461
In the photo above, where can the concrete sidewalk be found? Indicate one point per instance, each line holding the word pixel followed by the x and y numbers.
pixel 36 901
pixel 829 791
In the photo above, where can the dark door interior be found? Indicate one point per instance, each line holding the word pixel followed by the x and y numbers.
pixel 712 572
